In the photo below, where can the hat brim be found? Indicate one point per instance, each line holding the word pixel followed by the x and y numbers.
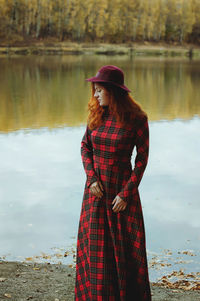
pixel 97 80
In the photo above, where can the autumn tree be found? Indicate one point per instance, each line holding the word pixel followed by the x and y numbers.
pixel 101 20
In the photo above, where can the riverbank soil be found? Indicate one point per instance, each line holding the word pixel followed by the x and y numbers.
pixel 51 47
pixel 55 282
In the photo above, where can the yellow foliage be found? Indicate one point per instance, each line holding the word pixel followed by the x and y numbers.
pixel 106 20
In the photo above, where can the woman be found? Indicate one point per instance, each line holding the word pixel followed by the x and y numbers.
pixel 111 254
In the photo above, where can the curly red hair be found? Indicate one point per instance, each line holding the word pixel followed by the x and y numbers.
pixel 122 105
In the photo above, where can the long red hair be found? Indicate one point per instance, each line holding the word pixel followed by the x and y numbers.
pixel 122 105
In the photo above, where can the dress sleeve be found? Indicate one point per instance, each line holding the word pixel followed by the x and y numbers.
pixel 87 157
pixel 142 149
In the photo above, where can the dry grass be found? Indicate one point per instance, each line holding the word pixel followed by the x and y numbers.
pixel 143 49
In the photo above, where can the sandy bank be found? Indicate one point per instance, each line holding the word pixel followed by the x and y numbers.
pixel 134 49
pixel 55 282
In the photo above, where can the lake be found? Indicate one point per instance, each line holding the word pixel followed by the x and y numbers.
pixel 43 111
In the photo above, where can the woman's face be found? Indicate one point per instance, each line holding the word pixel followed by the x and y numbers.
pixel 101 95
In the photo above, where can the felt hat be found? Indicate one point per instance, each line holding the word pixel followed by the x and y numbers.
pixel 110 74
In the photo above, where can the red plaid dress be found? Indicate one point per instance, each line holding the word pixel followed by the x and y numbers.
pixel 111 253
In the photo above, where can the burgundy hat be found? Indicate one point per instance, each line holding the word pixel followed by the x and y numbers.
pixel 110 74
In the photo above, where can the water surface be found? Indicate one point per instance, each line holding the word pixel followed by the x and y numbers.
pixel 43 116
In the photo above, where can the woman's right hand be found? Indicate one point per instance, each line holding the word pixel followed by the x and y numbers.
pixel 96 189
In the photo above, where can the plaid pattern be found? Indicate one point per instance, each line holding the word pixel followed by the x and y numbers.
pixel 111 253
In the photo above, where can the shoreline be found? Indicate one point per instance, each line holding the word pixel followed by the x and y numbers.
pixel 55 282
pixel 131 49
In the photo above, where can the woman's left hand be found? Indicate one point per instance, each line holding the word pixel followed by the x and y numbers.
pixel 119 204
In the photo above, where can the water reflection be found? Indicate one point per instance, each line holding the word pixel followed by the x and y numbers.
pixel 41 190
pixel 51 92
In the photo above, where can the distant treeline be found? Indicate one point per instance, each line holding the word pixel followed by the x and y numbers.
pixel 101 20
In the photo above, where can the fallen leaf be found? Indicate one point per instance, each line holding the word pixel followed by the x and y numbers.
pixel 8 295
pixel 168 252
pixel 2 279
pixel 59 255
pixel 190 287
pixel 190 253
pixel 45 256
pixel 197 286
